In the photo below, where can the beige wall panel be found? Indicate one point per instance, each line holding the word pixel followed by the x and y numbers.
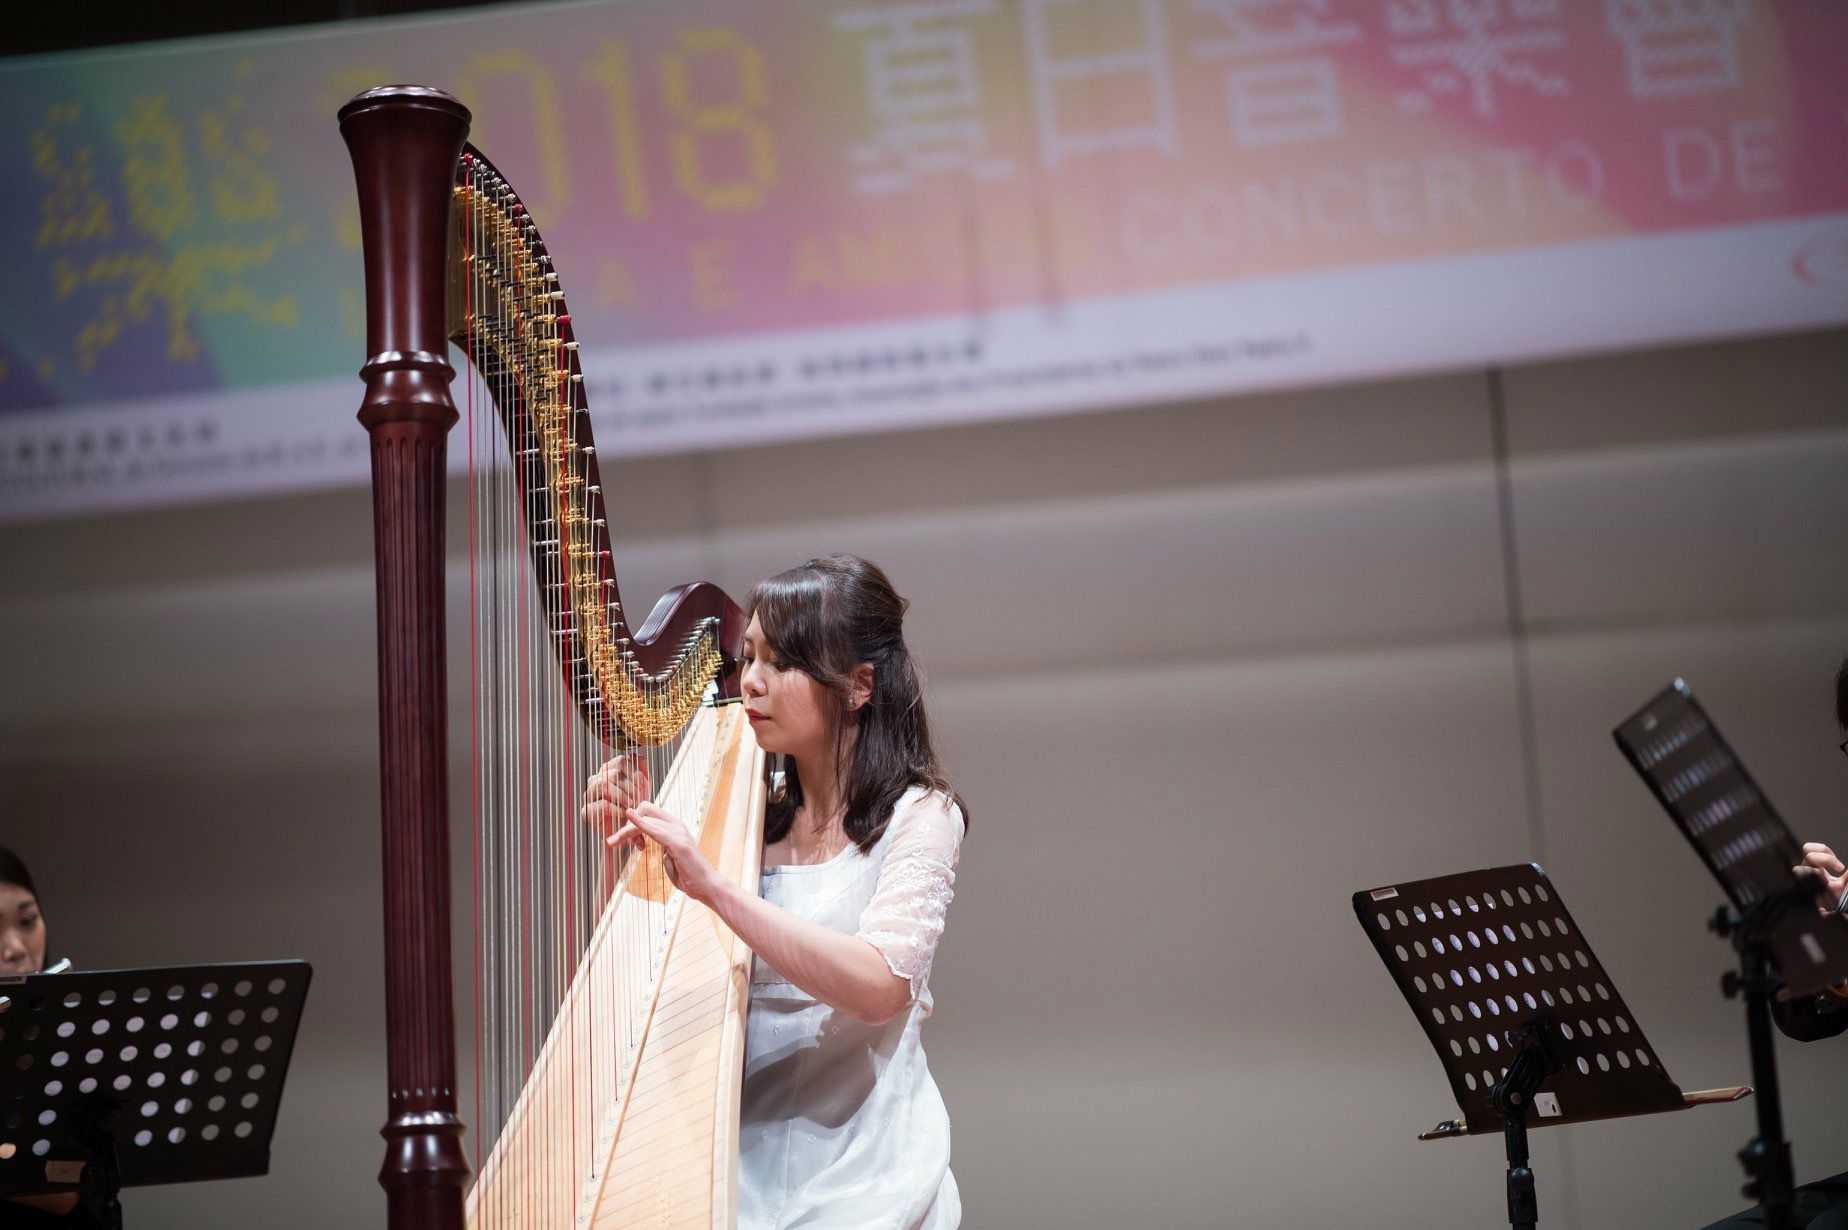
pixel 1176 575
pixel 1791 384
pixel 1748 529
pixel 1182 1137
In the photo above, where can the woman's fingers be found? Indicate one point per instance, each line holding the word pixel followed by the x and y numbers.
pixel 680 854
pixel 1820 861
pixel 647 821
pixel 1823 858
pixel 630 772
pixel 599 814
pixel 659 826
pixel 625 829
pixel 622 781
pixel 598 787
pixel 620 792
pixel 653 821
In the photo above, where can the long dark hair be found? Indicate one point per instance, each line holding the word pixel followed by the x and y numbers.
pixel 825 618
pixel 13 871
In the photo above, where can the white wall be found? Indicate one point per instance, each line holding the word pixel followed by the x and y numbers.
pixel 1202 671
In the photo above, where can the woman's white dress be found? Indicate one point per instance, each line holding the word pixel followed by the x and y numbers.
pixel 841 1125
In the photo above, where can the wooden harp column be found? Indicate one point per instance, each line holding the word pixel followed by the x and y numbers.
pixel 405 145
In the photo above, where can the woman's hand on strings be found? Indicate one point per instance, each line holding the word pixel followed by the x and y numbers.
pixel 685 861
pixel 1821 862
pixel 620 784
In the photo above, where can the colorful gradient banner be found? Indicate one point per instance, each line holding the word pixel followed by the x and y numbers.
pixel 776 219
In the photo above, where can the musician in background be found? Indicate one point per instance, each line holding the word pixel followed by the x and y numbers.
pixel 22 923
pixel 1822 1205
pixel 22 951
pixel 841 1124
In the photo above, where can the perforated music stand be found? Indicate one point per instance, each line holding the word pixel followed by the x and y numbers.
pixel 1772 921
pixel 1519 1010
pixel 125 1078
pixel 1693 773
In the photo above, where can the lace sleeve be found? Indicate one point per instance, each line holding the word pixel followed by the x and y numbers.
pixel 905 917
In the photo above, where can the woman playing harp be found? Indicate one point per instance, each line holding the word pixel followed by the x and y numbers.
pixel 841 1123
pixel 610 1010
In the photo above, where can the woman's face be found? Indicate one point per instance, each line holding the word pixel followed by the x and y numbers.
pixel 22 932
pixel 792 714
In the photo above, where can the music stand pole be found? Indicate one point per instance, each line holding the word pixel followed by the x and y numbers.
pixel 1766 1158
pixel 100 1190
pixel 1537 1056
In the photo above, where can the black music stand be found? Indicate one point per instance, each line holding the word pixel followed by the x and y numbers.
pixel 1520 1012
pixel 127 1078
pixel 1771 920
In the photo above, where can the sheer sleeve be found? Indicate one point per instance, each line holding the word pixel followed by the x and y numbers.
pixel 905 917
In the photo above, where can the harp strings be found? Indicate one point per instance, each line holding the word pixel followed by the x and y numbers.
pixel 543 879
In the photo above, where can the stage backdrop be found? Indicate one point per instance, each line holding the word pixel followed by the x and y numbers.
pixel 818 216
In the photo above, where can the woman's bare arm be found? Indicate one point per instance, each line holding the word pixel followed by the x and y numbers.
pixel 842 971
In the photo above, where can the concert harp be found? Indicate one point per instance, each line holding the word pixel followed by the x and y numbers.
pixel 609 1008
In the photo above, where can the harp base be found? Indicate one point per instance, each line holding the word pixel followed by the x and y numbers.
pixel 424 1171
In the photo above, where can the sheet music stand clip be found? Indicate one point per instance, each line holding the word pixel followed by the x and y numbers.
pixel 124 1078
pixel 1527 1024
